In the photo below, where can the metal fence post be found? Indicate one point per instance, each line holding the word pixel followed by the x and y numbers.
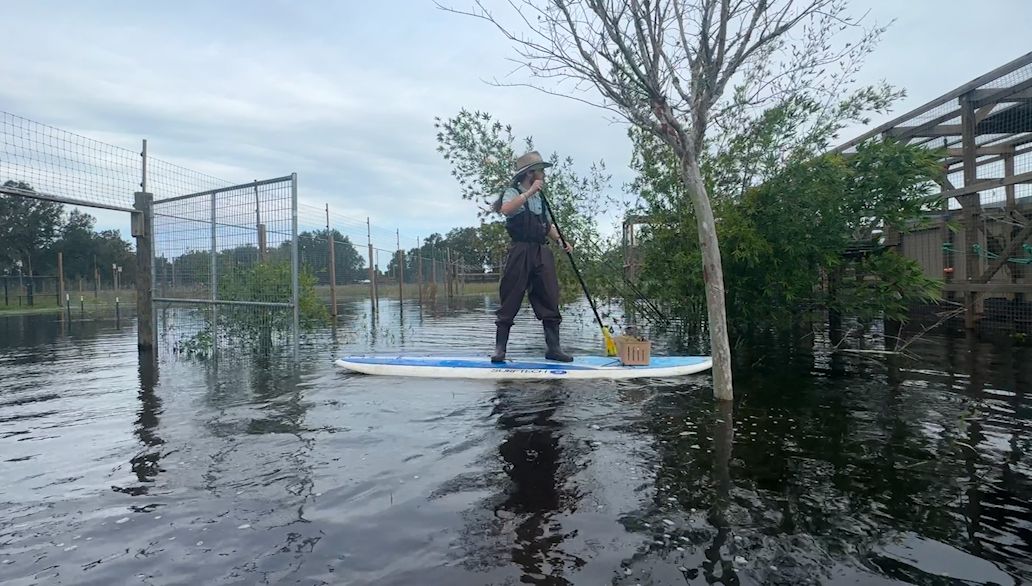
pixel 214 275
pixel 294 264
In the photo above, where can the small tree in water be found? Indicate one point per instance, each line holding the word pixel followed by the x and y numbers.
pixel 256 327
pixel 665 67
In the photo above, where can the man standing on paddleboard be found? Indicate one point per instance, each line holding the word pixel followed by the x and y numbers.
pixel 530 267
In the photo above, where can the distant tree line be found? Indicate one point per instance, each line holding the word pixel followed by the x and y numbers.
pixel 33 231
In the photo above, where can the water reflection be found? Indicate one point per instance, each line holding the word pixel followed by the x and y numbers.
pixel 146 465
pixel 718 567
pixel 539 487
pixel 830 468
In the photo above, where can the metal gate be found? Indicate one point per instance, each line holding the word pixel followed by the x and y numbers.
pixel 226 268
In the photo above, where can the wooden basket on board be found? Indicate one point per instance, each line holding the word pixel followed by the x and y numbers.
pixel 632 351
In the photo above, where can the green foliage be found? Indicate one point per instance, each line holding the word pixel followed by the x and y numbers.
pixel 314 250
pixel 34 231
pixel 482 153
pixel 28 227
pixel 881 285
pixel 785 242
pixel 254 327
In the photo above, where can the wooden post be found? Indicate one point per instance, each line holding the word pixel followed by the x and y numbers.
pixel 333 265
pixel 971 203
pixel 372 267
pixel 96 278
pixel 1010 232
pixel 263 246
pixel 433 263
pixel 1008 171
pixel 60 279
pixel 401 268
pixel 419 268
pixel 448 281
pixel 143 230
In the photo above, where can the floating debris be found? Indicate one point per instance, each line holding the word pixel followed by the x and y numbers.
pixel 200 543
pixel 668 522
pixel 245 526
pixel 122 520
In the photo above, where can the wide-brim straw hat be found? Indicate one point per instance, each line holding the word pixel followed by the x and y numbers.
pixel 528 162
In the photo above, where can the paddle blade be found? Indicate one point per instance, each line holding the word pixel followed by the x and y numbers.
pixel 610 344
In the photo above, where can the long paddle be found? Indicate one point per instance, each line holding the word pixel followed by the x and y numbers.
pixel 606 336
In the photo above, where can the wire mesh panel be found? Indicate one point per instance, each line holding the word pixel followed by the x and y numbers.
pixel 980 241
pixel 40 160
pixel 226 267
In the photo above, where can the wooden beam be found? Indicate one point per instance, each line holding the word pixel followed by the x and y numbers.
pixel 1014 142
pixel 1012 248
pixel 987 185
pixel 938 130
pixel 983 112
pixel 983 151
pixel 906 132
pixel 1018 92
pixel 987 287
pixel 945 98
pixel 1008 171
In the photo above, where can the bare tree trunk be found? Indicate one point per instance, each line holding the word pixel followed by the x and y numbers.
pixel 713 277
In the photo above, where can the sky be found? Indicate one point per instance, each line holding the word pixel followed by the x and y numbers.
pixel 345 93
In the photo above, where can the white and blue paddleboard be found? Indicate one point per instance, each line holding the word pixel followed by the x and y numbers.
pixel 582 367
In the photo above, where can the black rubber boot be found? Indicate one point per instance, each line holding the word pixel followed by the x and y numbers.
pixel 501 341
pixel 555 352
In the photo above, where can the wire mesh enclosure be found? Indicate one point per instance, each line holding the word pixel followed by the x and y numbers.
pixel 980 242
pixel 226 267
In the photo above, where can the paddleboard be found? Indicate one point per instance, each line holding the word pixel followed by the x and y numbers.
pixel 582 367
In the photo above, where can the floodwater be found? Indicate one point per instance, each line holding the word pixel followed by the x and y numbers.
pixel 853 470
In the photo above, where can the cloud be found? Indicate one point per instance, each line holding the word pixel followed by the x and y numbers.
pixel 353 115
pixel 345 94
